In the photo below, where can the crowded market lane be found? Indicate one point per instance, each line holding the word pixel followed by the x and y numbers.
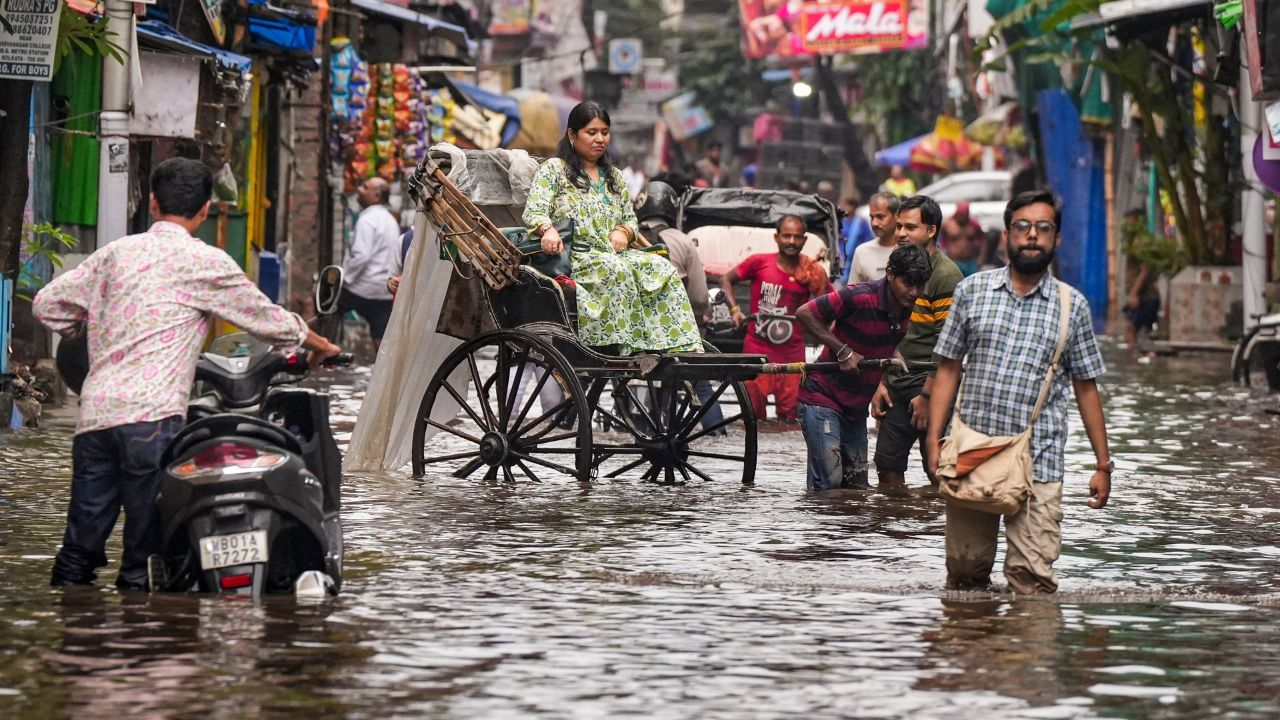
pixel 472 600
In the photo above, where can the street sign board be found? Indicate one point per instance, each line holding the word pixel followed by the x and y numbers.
pixel 625 56
pixel 28 43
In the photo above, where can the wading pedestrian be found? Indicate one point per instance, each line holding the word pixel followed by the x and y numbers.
pixel 1004 325
pixel 146 302
pixel 780 283
pixel 901 404
pixel 867 320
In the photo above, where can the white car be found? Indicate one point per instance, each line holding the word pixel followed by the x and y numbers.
pixel 987 193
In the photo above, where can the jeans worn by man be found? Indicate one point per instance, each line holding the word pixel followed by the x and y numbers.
pixel 145 303
pixel 855 322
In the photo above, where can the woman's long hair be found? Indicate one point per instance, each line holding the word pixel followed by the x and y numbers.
pixel 583 113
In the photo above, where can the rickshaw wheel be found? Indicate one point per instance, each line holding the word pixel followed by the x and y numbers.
pixel 664 422
pixel 483 398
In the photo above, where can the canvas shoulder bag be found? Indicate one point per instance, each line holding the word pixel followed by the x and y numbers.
pixel 993 474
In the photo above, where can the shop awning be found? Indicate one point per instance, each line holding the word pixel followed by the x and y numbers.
pixel 1141 15
pixel 157 34
pixel 899 154
pixel 501 104
pixel 454 33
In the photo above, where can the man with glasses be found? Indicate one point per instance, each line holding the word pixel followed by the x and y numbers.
pixel 901 404
pixel 1004 324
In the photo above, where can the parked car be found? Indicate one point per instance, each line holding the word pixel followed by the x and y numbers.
pixel 986 191
pixel 730 224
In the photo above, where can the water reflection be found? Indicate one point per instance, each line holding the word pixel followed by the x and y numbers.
pixel 468 599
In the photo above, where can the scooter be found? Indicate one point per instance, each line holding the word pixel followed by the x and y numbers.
pixel 249 496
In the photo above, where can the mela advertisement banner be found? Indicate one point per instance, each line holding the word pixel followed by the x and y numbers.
pixel 790 28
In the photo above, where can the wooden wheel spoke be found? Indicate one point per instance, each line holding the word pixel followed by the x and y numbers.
pixel 644 411
pixel 506 474
pixel 625 468
pixel 480 393
pixel 527 472
pixel 683 473
pixel 528 403
pixel 545 463
pixel 723 423
pixel 716 456
pixel 454 456
pixel 466 470
pixel 702 411
pixel 522 431
pixel 506 402
pixel 491 474
pixel 453 431
pixel 556 438
pixel 448 386
pixel 686 465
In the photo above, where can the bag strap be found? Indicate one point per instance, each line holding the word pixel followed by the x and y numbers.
pixel 1064 328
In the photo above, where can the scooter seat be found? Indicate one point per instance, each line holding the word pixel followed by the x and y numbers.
pixel 229 425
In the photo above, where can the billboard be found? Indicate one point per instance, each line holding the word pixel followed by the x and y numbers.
pixel 790 28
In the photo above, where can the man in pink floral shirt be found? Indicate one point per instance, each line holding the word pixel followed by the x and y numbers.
pixel 146 302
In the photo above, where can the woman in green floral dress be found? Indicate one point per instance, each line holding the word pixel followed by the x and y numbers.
pixel 626 298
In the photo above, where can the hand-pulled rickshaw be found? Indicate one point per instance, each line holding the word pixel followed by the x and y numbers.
pixel 521 396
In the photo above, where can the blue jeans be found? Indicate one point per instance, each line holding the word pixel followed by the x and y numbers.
pixel 113 469
pixel 837 448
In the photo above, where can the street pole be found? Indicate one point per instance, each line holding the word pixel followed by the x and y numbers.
pixel 1253 232
pixel 113 125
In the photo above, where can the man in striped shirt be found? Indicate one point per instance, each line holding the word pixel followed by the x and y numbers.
pixel 855 322
pixel 902 403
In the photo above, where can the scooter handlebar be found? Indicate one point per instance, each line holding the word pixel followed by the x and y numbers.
pixel 340 360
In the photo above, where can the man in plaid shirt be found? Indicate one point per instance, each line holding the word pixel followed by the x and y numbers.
pixel 1004 325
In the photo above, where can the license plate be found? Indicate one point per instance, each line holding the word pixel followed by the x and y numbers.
pixel 218 551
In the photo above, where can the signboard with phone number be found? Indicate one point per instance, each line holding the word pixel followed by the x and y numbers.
pixel 30 38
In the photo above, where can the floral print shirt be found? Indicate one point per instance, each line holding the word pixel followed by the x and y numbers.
pixel 146 301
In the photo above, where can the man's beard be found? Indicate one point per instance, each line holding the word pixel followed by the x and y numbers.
pixel 1031 263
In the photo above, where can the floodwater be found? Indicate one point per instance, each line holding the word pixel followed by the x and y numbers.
pixel 465 599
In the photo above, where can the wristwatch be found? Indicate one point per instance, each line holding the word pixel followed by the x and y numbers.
pixel 1109 468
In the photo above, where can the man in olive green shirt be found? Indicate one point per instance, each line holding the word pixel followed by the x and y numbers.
pixel 902 404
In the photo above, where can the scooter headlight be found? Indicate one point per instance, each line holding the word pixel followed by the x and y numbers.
pixel 227 459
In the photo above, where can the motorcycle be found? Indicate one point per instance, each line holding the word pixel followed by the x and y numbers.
pixel 249 497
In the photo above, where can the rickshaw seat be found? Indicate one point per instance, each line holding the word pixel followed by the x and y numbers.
pixel 554 266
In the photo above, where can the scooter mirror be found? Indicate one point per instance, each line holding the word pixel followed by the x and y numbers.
pixel 328 290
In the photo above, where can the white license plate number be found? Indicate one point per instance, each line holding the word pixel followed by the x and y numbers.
pixel 217 551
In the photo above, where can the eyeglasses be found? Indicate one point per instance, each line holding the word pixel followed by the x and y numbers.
pixel 1044 228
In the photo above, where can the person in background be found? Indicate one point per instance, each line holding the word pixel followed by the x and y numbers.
pixel 393 282
pixel 962 239
pixel 749 174
pixel 780 283
pixel 825 190
pixel 898 183
pixel 633 176
pixel 145 303
pixel 711 169
pixel 870 259
pixel 1142 304
pixel 866 320
pixel 1004 326
pixel 901 404
pixel 372 259
pixel 854 231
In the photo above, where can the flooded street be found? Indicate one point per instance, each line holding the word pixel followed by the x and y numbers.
pixel 471 600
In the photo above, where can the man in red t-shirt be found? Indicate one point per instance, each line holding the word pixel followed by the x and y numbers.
pixel 780 284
